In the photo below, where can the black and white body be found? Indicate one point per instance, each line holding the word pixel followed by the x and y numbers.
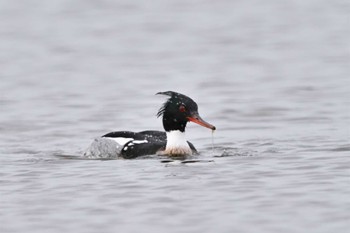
pixel 176 112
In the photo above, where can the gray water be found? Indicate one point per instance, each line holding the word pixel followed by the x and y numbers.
pixel 272 76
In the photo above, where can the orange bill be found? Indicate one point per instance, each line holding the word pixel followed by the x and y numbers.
pixel 197 119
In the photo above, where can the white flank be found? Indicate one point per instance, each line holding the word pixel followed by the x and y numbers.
pixel 133 142
pixel 121 141
pixel 137 142
pixel 177 144
pixel 140 141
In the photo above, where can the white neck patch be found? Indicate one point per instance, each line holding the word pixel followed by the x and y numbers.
pixel 177 144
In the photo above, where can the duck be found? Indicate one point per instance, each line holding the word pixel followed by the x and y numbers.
pixel 176 112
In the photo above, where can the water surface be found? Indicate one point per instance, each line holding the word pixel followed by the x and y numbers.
pixel 272 76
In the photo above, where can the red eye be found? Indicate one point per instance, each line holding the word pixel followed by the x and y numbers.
pixel 182 108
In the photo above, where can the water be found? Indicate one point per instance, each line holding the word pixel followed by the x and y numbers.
pixel 272 76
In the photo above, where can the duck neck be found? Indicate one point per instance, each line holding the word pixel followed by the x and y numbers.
pixel 171 123
pixel 177 143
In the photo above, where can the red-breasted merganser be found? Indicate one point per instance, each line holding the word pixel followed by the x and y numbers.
pixel 176 112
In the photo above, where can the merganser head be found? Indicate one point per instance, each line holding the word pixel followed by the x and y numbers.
pixel 178 110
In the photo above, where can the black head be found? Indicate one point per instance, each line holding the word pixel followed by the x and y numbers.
pixel 178 110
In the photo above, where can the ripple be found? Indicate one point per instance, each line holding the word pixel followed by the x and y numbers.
pixel 341 148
